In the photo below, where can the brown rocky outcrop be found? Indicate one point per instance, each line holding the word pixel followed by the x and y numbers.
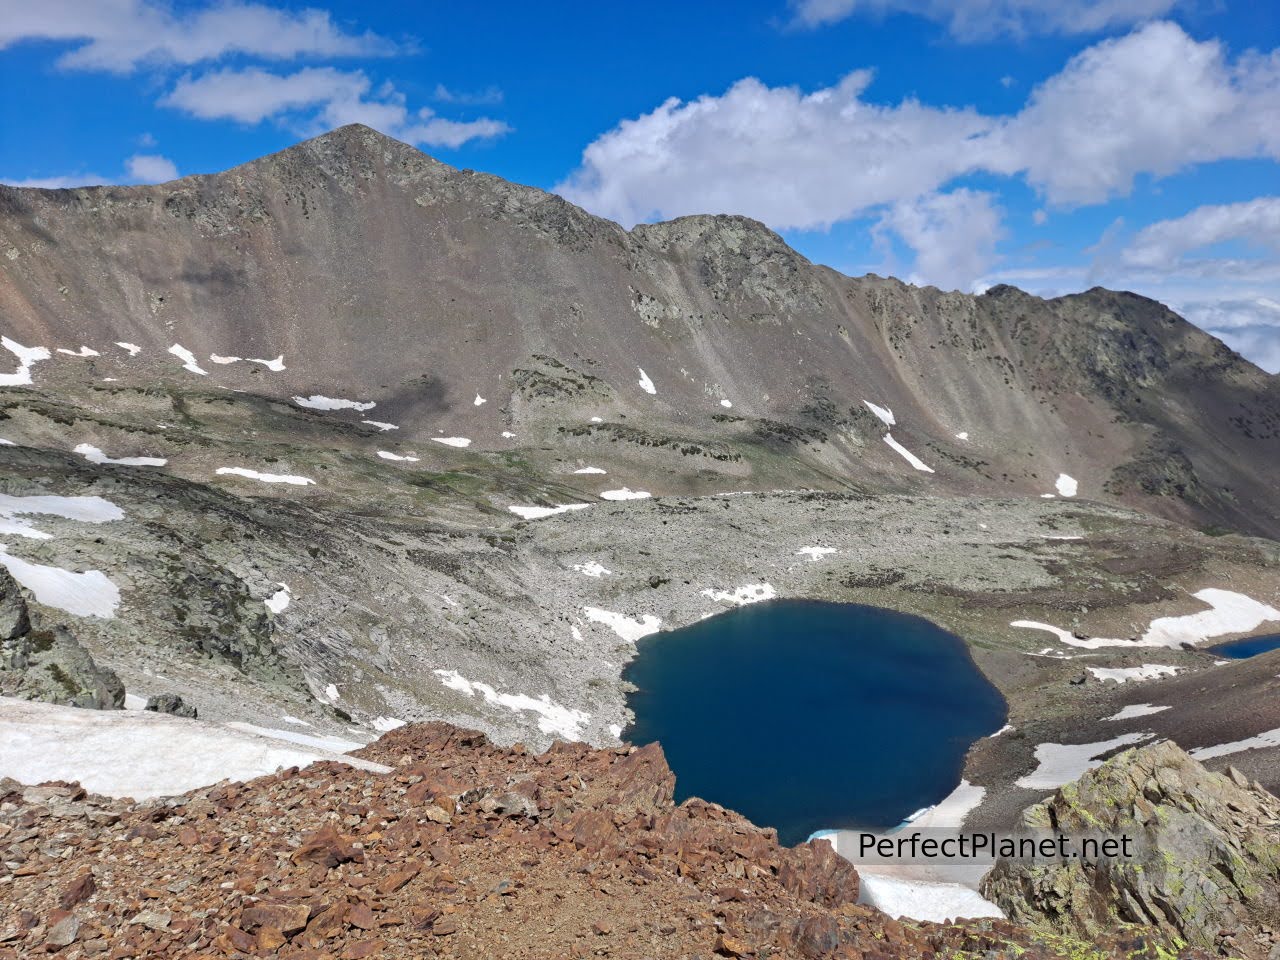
pixel 463 850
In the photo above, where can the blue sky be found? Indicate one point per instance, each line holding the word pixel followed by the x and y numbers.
pixel 1053 145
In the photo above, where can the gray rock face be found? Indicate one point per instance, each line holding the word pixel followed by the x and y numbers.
pixel 172 704
pixel 14 621
pixel 1206 872
pixel 49 665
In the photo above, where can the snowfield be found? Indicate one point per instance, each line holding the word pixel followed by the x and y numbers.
pixel 188 359
pixel 624 626
pixel 317 402
pixel 27 357
pixel 751 593
pixel 626 493
pixel 95 455
pixel 1148 671
pixel 453 441
pixel 907 455
pixel 133 753
pixel 884 413
pixel 553 718
pixel 88 594
pixel 537 513
pixel 1062 763
pixel 1135 710
pixel 1229 612
pixel 388 455
pixel 645 383
pixel 279 601
pixel 264 477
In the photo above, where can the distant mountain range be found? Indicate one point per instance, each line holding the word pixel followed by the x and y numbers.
pixel 459 307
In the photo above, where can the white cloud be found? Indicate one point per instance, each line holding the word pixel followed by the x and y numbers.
pixel 953 236
pixel 1152 102
pixel 486 97
pixel 321 98
pixel 1166 243
pixel 150 168
pixel 983 19
pixel 139 168
pixel 1149 103
pixel 777 154
pixel 119 35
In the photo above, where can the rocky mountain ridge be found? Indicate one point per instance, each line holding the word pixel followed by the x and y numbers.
pixel 464 305
pixel 463 850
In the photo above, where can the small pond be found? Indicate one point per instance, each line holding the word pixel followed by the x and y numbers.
pixel 805 715
pixel 1248 647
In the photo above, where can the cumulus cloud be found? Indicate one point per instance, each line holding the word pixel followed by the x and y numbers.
pixel 983 19
pixel 952 235
pixel 1251 327
pixel 319 98
pixel 777 154
pixel 150 168
pixel 139 168
pixel 1152 102
pixel 1166 244
pixel 119 35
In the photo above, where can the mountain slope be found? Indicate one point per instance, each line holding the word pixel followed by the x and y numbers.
pixel 382 276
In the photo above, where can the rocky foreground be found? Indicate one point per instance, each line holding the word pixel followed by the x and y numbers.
pixel 464 850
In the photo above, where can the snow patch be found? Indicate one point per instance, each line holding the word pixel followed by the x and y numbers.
pixel 616 729
pixel 387 724
pixel 926 900
pixel 907 455
pixel 453 441
pixel 591 569
pixel 1061 763
pixel 264 477
pixel 317 402
pixel 624 626
pixel 223 361
pixel 590 470
pixel 537 513
pixel 132 348
pixel 139 754
pixel 388 455
pixel 188 359
pixel 82 509
pixel 479 400
pixel 27 357
pixel 1229 612
pixel 279 601
pixel 83 352
pixel 751 593
pixel 625 493
pixel 1269 738
pixel 88 594
pixel 884 413
pixel 1148 671
pixel 962 435
pixel 815 553
pixel 554 718
pixel 94 455
pixel 726 404
pixel 276 365
pixel 1135 710
pixel 384 427
pixel 1066 485
pixel 645 383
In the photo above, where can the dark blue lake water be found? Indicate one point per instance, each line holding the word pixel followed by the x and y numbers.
pixel 1249 647
pixel 806 715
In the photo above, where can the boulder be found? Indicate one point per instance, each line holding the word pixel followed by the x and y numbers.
pixel 52 666
pixel 1205 873
pixel 171 703
pixel 14 621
